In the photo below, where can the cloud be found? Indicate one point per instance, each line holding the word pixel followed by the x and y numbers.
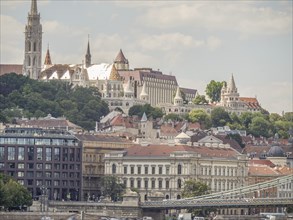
pixel 213 42
pixel 246 18
pixel 167 42
pixel 11 52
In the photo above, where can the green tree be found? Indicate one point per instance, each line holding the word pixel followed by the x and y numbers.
pixel 220 117
pixel 200 100
pixel 213 90
pixel 246 118
pixel 172 117
pixel 200 116
pixel 12 194
pixel 193 188
pixel 275 117
pixel 112 188
pixel 148 109
pixel 260 127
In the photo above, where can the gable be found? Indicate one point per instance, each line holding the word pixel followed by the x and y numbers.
pixel 210 139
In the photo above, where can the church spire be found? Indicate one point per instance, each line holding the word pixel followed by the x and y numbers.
pixel 34 8
pixel 32 64
pixel 88 56
pixel 48 58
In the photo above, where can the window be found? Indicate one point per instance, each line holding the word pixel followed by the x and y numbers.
pixel 153 184
pixel 11 153
pixel 48 174
pixel 2 153
pixel 20 174
pixel 113 168
pixel 153 170
pixel 20 166
pixel 30 153
pixel 179 169
pixel 125 169
pixel 57 154
pixel 39 166
pixel 30 166
pixel 48 166
pixel 21 153
pixel 65 154
pixel 160 184
pixel 160 170
pixel 131 183
pixel 179 184
pixel 167 170
pixel 48 153
pixel 139 170
pixel 138 184
pixel 167 184
pixel 30 174
pixel 56 175
pixel 146 184
pixel 39 153
pixel 132 170
pixel 146 170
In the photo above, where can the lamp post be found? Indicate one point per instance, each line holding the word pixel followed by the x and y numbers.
pixel 44 201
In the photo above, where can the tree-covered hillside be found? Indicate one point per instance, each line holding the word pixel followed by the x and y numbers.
pixel 24 97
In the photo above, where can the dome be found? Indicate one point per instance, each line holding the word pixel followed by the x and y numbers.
pixel 276 151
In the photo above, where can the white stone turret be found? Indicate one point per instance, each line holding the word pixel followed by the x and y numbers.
pixel 128 92
pixel 178 100
pixel 144 95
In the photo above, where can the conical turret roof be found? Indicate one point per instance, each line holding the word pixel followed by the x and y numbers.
pixel 114 75
pixel 178 94
pixel 231 85
pixel 144 118
pixel 120 58
pixel 143 91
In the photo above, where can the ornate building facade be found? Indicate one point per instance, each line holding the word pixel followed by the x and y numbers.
pixel 165 168
pixel 32 64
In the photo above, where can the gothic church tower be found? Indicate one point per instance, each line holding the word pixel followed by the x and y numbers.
pixel 33 43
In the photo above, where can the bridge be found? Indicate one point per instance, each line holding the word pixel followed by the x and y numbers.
pixel 235 198
pixel 131 208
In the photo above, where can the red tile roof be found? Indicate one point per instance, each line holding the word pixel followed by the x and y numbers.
pixel 261 162
pixel 166 150
pixel 262 170
pixel 10 68
pixel 251 103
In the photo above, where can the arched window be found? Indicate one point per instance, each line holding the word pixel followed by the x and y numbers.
pixel 167 196
pixel 179 184
pixel 35 46
pixel 29 46
pixel 113 168
pixel 179 171
pixel 29 61
pixel 146 197
pixel 178 197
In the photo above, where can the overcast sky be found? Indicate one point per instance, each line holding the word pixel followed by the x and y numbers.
pixel 197 41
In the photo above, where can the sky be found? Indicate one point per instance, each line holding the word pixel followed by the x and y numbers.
pixel 197 41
